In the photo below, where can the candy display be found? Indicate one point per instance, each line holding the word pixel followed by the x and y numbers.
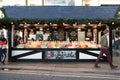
pixel 58 44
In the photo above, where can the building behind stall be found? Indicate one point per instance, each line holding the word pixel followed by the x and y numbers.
pixel 58 2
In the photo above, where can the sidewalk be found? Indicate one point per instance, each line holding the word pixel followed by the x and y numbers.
pixel 52 70
pixel 63 66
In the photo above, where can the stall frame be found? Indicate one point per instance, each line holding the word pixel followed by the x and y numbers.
pixel 93 52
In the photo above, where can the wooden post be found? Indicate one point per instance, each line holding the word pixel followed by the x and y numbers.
pixel 12 37
pixel 25 33
pixel 95 35
pixel 43 3
pixel 26 2
pixel 110 39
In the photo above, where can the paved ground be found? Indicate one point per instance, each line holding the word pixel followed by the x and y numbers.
pixel 75 66
pixel 67 70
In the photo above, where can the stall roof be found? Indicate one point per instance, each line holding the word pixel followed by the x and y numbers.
pixel 64 12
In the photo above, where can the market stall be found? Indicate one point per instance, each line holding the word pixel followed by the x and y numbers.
pixel 53 42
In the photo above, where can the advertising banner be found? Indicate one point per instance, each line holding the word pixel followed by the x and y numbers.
pixel 60 54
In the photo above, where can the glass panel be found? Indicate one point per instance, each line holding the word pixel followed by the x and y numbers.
pixel 3 38
pixel 34 2
pixel 13 3
pixel 60 2
pixel 116 39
